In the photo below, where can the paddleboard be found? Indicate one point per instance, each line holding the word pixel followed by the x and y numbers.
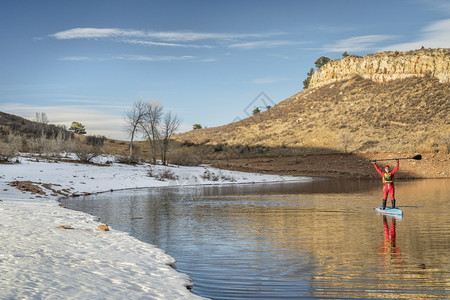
pixel 389 211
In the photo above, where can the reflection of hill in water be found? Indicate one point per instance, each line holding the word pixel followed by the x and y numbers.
pixel 320 240
pixel 345 238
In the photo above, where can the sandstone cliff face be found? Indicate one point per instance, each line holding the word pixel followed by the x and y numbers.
pixel 386 66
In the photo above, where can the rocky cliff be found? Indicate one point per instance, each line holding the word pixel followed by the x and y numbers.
pixel 386 66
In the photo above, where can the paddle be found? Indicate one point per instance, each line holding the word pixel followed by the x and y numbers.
pixel 416 157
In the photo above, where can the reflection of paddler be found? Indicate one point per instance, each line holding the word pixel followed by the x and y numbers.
pixel 389 234
pixel 390 246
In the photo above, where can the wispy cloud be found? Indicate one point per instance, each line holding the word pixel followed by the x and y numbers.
pixel 173 39
pixel 168 36
pixel 358 43
pixel 262 44
pixel 180 39
pixel 153 58
pixel 165 44
pixel 130 57
pixel 435 35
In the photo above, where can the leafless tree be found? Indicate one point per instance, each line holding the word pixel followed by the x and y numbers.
pixel 39 145
pixel 346 139
pixel 133 118
pixel 41 118
pixel 170 124
pixel 150 124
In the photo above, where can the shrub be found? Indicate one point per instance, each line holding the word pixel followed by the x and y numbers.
pixel 161 174
pixel 445 140
pixel 126 159
pixel 184 158
pixel 95 140
pixel 10 147
pixel 86 153
pixel 6 151
pixel 211 176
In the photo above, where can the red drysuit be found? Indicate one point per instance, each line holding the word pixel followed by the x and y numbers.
pixel 388 178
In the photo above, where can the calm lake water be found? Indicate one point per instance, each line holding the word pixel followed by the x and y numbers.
pixel 320 239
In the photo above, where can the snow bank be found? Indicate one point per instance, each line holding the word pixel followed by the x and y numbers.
pixel 39 260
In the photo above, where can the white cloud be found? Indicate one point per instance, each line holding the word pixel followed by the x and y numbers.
pixel 153 58
pixel 435 35
pixel 174 39
pixel 168 36
pixel 165 44
pixel 185 36
pixel 261 44
pixel 358 43
pixel 92 33
pixel 129 57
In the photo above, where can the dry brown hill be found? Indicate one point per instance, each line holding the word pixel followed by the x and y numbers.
pixel 388 104
pixel 353 114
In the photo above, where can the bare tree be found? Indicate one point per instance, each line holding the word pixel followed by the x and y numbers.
pixel 346 139
pixel 41 118
pixel 170 124
pixel 39 145
pixel 150 124
pixel 134 117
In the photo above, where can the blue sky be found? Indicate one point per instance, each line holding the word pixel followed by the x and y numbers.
pixel 207 61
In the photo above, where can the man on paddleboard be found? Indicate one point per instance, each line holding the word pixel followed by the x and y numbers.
pixel 388 181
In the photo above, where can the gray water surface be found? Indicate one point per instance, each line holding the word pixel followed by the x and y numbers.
pixel 321 239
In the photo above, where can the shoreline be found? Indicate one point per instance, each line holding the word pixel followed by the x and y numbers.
pixel 354 166
pixel 39 259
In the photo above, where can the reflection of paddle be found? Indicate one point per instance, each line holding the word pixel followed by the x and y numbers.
pixel 416 157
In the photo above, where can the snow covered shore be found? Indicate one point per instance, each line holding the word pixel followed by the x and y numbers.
pixel 38 260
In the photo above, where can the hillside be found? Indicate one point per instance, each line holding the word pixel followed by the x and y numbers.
pixel 359 114
pixel 30 129
pixel 345 111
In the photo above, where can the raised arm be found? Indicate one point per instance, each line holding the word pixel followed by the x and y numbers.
pixel 377 168
pixel 396 167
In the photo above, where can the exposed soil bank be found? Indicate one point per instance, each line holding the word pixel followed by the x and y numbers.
pixel 432 165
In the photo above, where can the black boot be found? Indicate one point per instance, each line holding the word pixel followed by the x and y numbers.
pixel 393 203
pixel 384 204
